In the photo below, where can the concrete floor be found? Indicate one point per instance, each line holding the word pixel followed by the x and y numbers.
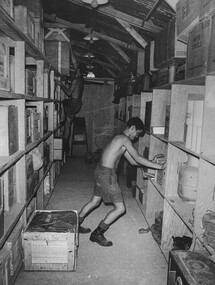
pixel 134 259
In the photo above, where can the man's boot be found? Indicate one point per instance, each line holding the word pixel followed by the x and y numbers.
pixel 98 235
pixel 81 229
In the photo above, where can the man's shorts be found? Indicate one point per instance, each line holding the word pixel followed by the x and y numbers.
pixel 106 185
pixel 71 107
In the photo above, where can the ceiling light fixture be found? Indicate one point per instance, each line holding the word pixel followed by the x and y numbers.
pixel 90 66
pixel 89 55
pixel 91 74
pixel 95 3
pixel 91 38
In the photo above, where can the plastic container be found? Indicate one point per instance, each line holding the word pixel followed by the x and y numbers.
pixel 187 181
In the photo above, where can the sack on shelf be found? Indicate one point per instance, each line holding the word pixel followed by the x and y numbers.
pixel 37 159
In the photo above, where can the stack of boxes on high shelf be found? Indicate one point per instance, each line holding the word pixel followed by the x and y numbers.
pixel 196 28
pixel 50 239
pixel 184 48
pixel 187 53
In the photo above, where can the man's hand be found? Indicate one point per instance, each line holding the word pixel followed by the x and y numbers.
pixel 162 164
pixel 157 156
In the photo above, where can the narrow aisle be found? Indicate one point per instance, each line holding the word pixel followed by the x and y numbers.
pixel 133 259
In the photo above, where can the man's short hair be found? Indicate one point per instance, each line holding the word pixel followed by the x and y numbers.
pixel 137 122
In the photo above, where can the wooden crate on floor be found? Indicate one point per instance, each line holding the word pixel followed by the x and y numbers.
pixel 50 241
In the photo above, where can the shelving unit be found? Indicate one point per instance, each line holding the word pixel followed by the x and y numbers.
pixel 26 185
pixel 180 217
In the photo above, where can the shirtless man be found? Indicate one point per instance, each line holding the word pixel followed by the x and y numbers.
pixel 106 185
pixel 73 89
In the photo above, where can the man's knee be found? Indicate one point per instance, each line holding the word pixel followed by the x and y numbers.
pixel 95 200
pixel 120 207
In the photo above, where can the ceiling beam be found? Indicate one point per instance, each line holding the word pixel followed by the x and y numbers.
pixel 119 51
pixel 111 73
pixel 113 62
pixel 108 56
pixel 81 28
pixel 153 10
pixel 132 32
pixel 108 10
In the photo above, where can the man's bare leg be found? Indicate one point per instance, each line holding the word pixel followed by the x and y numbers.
pixel 98 234
pixel 67 133
pixel 91 205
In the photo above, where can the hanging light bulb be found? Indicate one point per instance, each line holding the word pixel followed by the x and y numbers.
pixel 91 38
pixel 91 74
pixel 89 55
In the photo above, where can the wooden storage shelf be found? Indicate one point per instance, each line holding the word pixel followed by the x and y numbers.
pixel 179 109
pixel 157 186
pixel 208 135
pixel 32 145
pixel 7 161
pixel 154 203
pixel 160 100
pixel 9 27
pixel 10 220
pixel 172 226
pixel 140 109
pixel 181 145
pixel 210 159
pixel 10 95
pixel 161 137
pixel 22 189
pixel 181 217
pixel 183 210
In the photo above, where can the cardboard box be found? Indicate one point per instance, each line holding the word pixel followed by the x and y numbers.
pixel 187 16
pixel 14 245
pixel 4 66
pixel 8 6
pixel 9 142
pixel 207 7
pixel 4 266
pixel 58 148
pixel 50 241
pixel 9 182
pixel 197 50
pixel 1 207
pixel 35 7
pixel 211 51
pixel 175 48
pixel 25 21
